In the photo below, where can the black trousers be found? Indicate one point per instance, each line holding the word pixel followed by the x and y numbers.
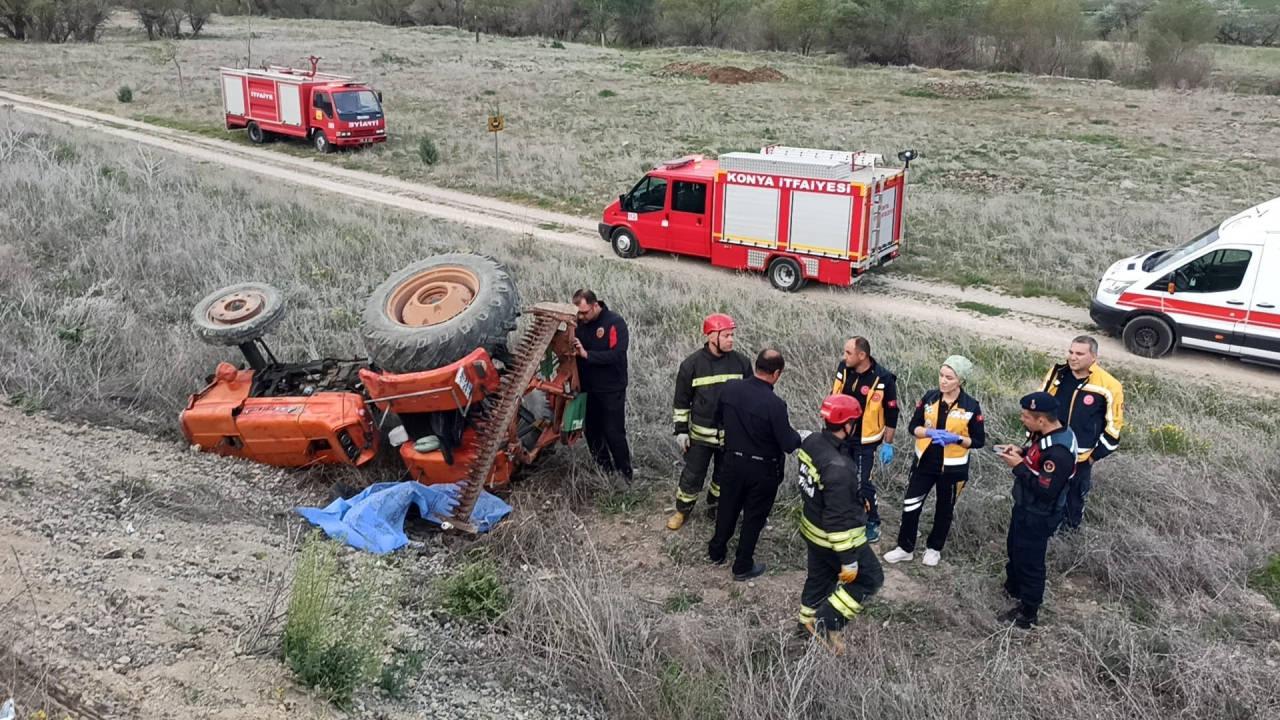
pixel 822 598
pixel 865 458
pixel 696 461
pixel 947 490
pixel 1027 544
pixel 605 426
pixel 748 489
pixel 1077 492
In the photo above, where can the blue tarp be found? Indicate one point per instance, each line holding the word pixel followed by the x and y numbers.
pixel 373 520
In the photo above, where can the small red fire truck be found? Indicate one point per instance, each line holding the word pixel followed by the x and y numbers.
pixel 795 213
pixel 328 110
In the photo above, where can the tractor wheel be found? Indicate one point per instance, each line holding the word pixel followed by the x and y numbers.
pixel 237 314
pixel 625 244
pixel 256 135
pixel 1148 336
pixel 321 142
pixel 785 275
pixel 437 310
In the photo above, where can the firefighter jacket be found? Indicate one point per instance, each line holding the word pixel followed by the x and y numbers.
pixel 964 418
pixel 1095 410
pixel 834 515
pixel 1040 482
pixel 605 339
pixel 755 421
pixel 876 390
pixel 699 381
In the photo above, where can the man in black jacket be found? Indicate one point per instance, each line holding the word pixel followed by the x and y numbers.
pixel 601 343
pixel 1041 472
pixel 757 437
pixel 843 571
pixel 699 381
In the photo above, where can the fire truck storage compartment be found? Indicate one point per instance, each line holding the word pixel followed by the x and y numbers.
pixel 751 215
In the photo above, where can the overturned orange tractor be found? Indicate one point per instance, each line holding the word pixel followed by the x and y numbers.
pixel 440 383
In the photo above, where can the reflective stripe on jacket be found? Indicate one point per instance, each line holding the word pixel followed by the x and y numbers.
pixel 964 418
pixel 701 377
pixel 1095 411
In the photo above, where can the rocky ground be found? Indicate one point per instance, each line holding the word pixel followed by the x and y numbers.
pixel 141 580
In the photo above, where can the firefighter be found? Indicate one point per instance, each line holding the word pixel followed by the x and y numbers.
pixel 1041 472
pixel 757 437
pixel 947 424
pixel 601 344
pixel 1091 403
pixel 876 390
pixel 843 571
pixel 699 381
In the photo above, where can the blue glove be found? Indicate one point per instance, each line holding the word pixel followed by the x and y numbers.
pixel 886 453
pixel 444 500
pixel 934 434
pixel 947 437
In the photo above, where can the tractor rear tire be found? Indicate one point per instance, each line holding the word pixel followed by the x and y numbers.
pixel 237 314
pixel 256 134
pixel 437 310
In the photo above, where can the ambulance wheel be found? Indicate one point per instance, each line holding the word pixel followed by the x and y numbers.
pixel 784 274
pixel 256 135
pixel 237 314
pixel 625 244
pixel 1148 336
pixel 436 311
pixel 321 142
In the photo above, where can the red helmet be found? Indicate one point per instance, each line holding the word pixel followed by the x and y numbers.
pixel 717 322
pixel 840 409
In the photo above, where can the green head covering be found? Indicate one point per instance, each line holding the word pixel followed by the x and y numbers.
pixel 962 366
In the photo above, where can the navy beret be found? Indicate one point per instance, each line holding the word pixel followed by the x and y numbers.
pixel 1041 402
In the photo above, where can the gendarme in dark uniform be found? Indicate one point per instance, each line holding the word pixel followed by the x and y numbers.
pixel 757 437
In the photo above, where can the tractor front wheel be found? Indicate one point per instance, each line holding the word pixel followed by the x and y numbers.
pixel 237 314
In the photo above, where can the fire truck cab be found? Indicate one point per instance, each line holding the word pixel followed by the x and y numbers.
pixel 794 213
pixel 326 109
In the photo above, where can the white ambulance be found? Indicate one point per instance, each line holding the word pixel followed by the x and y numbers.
pixel 1219 292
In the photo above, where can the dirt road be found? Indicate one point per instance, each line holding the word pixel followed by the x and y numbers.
pixel 1036 323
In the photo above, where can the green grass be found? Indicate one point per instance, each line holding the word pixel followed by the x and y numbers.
pixel 681 601
pixel 982 308
pixel 1266 580
pixel 475 591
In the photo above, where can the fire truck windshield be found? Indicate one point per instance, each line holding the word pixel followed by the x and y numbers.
pixel 356 102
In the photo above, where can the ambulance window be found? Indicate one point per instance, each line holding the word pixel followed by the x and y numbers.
pixel 1218 271
pixel 321 102
pixel 690 197
pixel 650 195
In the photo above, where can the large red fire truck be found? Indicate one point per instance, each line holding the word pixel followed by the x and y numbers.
pixel 796 214
pixel 329 110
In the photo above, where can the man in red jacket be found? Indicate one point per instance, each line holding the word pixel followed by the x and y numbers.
pixel 601 344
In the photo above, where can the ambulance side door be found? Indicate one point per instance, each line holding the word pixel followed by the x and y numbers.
pixel 646 210
pixel 1210 295
pixel 1259 334
pixel 689 227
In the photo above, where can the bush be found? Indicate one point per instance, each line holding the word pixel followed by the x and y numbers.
pixel 1266 580
pixel 1036 36
pixel 557 45
pixel 1172 34
pixel 124 94
pixel 333 634
pixel 475 592
pixel 54 21
pixel 607 94
pixel 428 151
pixel 1101 67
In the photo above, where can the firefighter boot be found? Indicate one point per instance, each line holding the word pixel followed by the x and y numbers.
pixel 830 639
pixel 676 521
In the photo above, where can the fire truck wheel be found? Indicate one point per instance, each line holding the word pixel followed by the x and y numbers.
pixel 237 314
pixel 625 244
pixel 1148 336
pixel 784 274
pixel 437 310
pixel 256 135
pixel 321 142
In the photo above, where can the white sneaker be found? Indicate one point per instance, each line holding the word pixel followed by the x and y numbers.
pixel 931 557
pixel 897 555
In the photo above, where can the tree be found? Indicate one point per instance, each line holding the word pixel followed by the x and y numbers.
pixel 53 21
pixel 1172 34
pixel 701 22
pixel 637 23
pixel 799 23
pixel 1121 19
pixel 1036 36
pixel 877 31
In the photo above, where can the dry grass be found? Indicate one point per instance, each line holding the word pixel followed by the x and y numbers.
pixel 1074 174
pixel 106 248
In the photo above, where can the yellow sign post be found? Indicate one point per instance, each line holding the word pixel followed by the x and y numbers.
pixel 497 123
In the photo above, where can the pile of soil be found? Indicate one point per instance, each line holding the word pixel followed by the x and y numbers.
pixel 979 181
pixel 721 74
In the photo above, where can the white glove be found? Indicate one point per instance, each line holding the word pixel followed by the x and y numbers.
pixel 682 440
pixel 804 434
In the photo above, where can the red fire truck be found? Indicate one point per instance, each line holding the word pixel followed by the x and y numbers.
pixel 796 214
pixel 329 110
